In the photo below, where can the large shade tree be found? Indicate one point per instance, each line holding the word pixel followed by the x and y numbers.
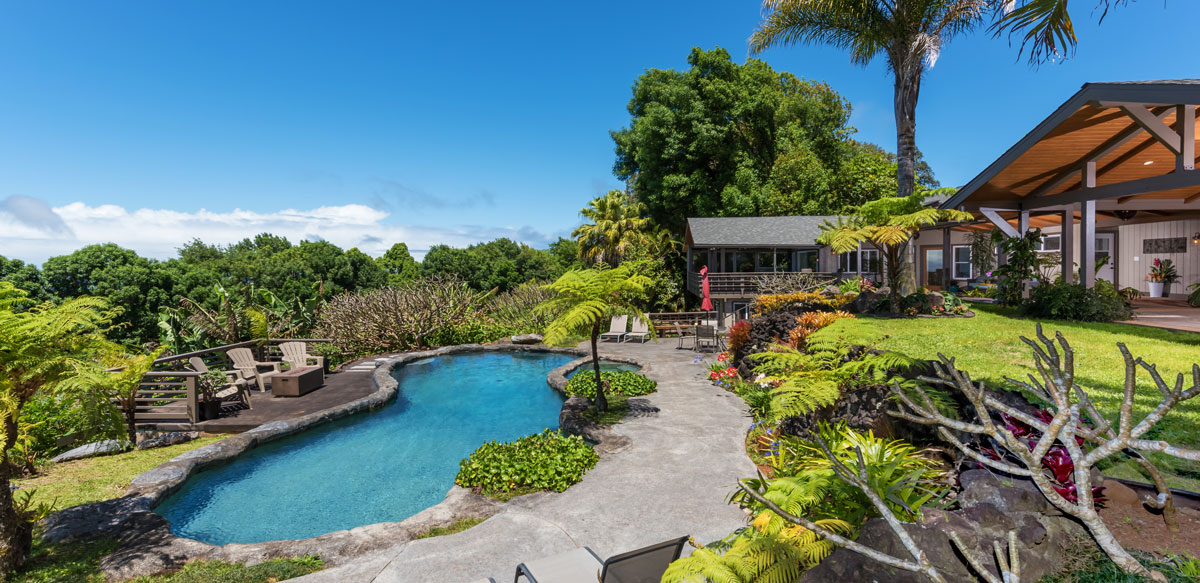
pixel 729 139
pixel 42 349
pixel 908 33
pixel 585 300
pixel 888 224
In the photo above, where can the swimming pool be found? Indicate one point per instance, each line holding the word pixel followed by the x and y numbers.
pixel 377 467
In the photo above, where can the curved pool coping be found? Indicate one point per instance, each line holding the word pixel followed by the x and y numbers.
pixel 132 518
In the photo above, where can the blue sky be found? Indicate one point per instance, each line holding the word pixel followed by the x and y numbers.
pixel 149 123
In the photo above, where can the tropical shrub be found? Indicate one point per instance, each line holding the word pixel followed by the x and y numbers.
pixel 810 322
pixel 1021 265
pixel 800 302
pixel 807 381
pixel 548 460
pixel 517 310
pixel 772 549
pixel 401 317
pixel 474 330
pixel 625 383
pixel 1072 301
pixel 739 335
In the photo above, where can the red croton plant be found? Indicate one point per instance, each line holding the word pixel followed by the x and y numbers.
pixel 1057 460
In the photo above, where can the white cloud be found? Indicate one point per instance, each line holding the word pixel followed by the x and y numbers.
pixel 159 233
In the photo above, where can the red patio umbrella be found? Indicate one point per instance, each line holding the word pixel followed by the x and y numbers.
pixel 706 304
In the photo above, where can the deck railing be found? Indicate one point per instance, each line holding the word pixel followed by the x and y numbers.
pixel 742 284
pixel 170 391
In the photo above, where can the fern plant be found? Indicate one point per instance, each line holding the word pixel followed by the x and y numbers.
pixel 812 379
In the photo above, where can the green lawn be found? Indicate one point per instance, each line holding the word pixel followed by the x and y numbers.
pixel 99 478
pixel 989 347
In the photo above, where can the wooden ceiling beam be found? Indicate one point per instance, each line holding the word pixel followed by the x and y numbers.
pixel 1108 147
pixel 1153 125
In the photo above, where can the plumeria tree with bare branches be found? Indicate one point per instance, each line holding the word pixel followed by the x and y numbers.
pixel 1074 424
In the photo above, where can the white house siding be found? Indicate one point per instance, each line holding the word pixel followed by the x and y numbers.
pixel 1135 265
pixel 933 238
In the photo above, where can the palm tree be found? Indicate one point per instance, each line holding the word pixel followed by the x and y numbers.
pixel 1048 30
pixel 617 227
pixel 909 32
pixel 888 224
pixel 586 298
pixel 41 349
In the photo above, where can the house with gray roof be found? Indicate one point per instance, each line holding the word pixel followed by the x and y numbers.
pixel 741 253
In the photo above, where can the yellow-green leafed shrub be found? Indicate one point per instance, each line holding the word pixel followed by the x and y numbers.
pixel 802 301
pixel 548 460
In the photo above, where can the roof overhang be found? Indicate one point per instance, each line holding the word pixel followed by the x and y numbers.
pixel 1125 146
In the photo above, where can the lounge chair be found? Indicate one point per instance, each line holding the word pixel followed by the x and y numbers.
pixel 581 565
pixel 684 336
pixel 616 328
pixel 296 355
pixel 243 361
pixel 638 329
pixel 236 387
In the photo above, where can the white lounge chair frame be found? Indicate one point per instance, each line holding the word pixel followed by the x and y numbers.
pixel 638 329
pixel 616 328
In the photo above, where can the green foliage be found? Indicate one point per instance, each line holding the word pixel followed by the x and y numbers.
pixel 65 563
pixel 1193 298
pixel 545 461
pixel 617 227
pixel 805 381
pixel 399 264
pixel 729 139
pixel 1088 565
pixel 473 330
pixel 1072 301
pixel 1020 267
pixel 889 224
pixel 626 383
pixel 772 549
pixel 983 250
pixel 502 264
pixel 452 528
pixel 224 572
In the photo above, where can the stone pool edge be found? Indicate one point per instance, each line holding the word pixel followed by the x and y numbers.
pixel 147 546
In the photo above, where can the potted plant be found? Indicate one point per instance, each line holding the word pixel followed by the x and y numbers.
pixel 1162 275
pixel 209 383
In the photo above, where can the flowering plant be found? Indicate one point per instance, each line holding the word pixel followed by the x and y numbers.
pixel 723 377
pixel 1164 271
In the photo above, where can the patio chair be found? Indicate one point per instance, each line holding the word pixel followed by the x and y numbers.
pixel 638 329
pixel 296 355
pixel 581 565
pixel 235 389
pixel 684 336
pixel 707 336
pixel 243 361
pixel 616 328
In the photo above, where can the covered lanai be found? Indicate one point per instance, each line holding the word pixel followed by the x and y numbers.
pixel 1111 171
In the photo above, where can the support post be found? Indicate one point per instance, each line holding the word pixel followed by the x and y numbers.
pixel 1023 223
pixel 1185 120
pixel 947 259
pixel 1087 244
pixel 193 398
pixel 1068 245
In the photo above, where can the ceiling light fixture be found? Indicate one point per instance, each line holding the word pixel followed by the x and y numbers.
pixel 1147 162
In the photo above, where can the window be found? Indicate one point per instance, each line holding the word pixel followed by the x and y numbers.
pixel 807 259
pixel 871 261
pixel 962 262
pixel 848 262
pixel 1050 243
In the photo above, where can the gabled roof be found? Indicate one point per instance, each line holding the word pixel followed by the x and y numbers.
pixel 1125 131
pixel 799 231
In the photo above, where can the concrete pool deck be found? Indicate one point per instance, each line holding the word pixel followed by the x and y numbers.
pixel 672 481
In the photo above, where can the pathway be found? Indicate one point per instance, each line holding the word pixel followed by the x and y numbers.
pixel 1171 314
pixel 671 482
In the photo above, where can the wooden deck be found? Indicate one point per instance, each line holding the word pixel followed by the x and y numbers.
pixel 351 382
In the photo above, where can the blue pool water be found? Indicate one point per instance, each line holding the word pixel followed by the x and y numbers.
pixel 376 467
